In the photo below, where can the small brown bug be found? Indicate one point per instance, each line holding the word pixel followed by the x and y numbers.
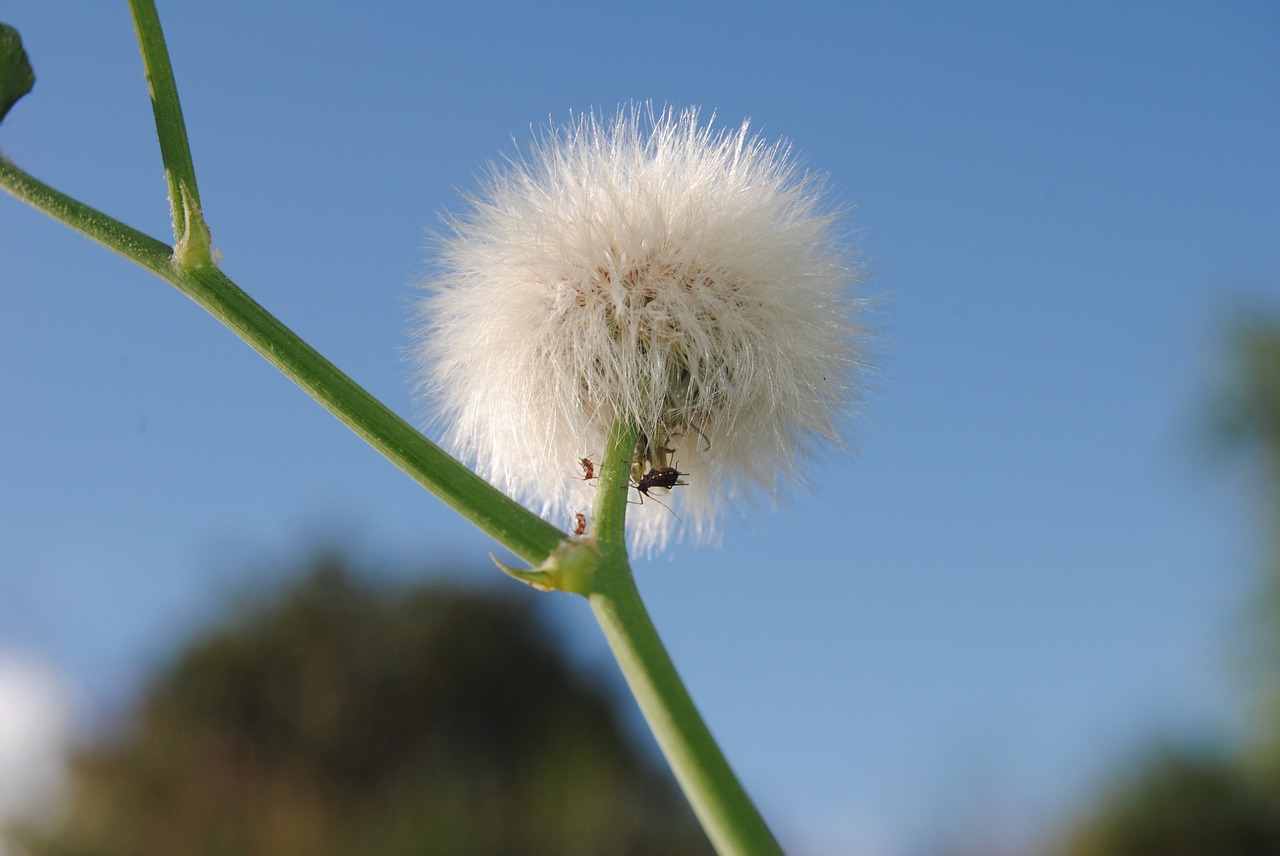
pixel 580 523
pixel 588 469
pixel 665 477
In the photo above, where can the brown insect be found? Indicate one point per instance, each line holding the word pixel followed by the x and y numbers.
pixel 580 523
pixel 588 469
pixel 664 477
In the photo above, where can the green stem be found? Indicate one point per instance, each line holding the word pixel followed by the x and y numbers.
pixel 726 812
pixel 189 229
pixel 609 516
pixel 517 528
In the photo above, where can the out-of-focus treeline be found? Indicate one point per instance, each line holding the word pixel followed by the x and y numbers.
pixel 346 717
pixel 1199 800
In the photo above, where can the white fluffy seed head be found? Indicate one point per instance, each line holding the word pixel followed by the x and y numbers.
pixel 646 267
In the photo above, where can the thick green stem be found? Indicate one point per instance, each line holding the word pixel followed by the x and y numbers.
pixel 730 819
pixel 517 528
pixel 609 514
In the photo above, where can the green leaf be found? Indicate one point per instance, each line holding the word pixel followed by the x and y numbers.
pixel 16 75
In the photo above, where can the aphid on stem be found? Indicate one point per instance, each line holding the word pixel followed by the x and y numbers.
pixel 580 522
pixel 588 469
pixel 663 477
pixel 651 454
pixel 667 477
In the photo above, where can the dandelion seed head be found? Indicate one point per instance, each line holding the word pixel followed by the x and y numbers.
pixel 652 267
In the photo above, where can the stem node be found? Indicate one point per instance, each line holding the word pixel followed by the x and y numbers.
pixel 568 568
pixel 194 248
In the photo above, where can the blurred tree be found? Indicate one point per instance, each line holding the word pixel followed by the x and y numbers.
pixel 1250 409
pixel 345 718
pixel 1250 424
pixel 1185 802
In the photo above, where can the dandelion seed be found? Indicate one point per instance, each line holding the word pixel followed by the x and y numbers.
pixel 652 268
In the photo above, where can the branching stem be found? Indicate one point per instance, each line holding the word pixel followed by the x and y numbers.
pixel 517 528
pixel 721 804
pixel 192 244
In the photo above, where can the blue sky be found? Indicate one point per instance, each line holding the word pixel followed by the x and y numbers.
pixel 1031 567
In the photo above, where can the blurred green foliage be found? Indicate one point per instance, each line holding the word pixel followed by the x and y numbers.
pixel 1186 802
pixel 1249 410
pixel 1250 425
pixel 344 717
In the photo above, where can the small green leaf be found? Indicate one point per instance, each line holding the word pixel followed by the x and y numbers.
pixel 16 75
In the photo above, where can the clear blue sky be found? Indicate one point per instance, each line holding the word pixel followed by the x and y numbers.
pixel 1031 567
